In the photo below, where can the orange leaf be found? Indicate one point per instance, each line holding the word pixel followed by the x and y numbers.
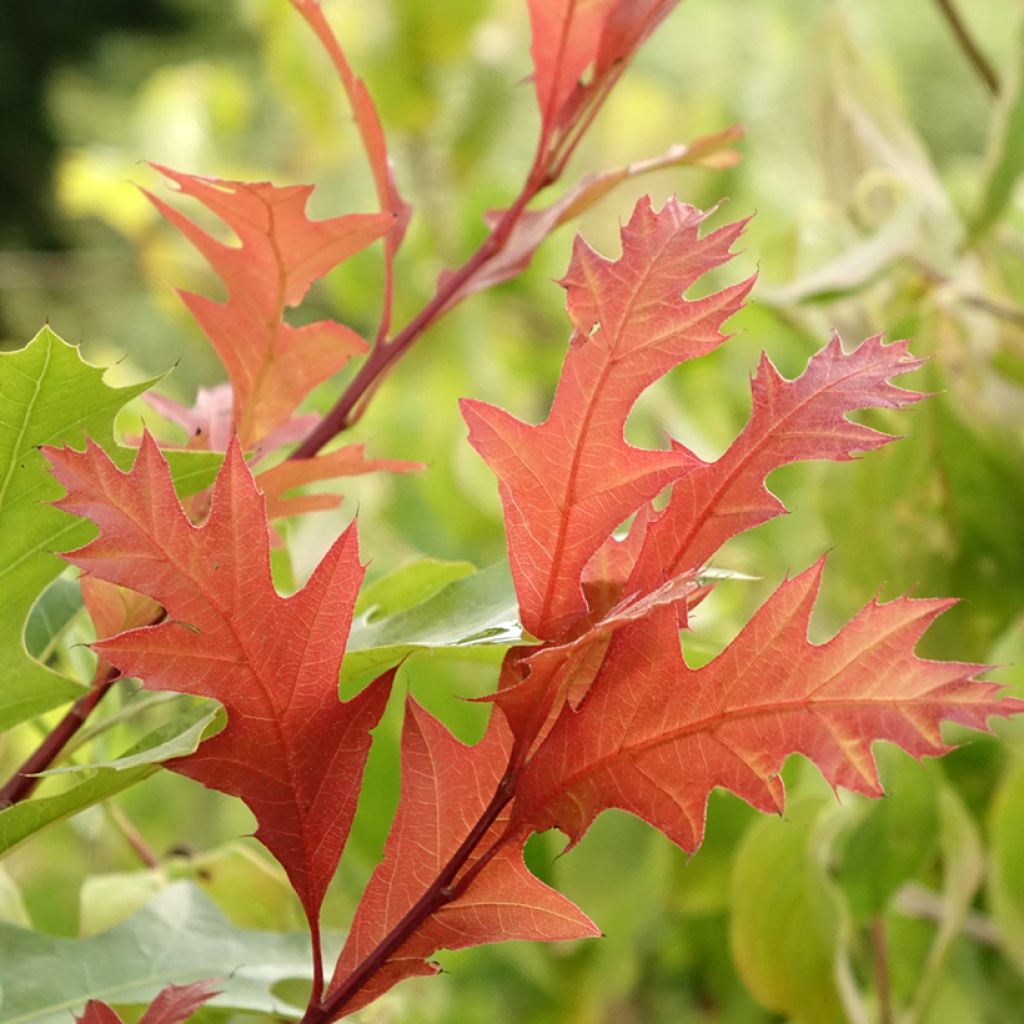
pixel 654 737
pixel 291 750
pixel 566 484
pixel 272 365
pixel 791 420
pixel 446 788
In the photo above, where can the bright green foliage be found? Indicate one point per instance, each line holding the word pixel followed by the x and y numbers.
pixel 1006 879
pixel 49 395
pixel 787 922
pixel 472 616
pixel 1006 154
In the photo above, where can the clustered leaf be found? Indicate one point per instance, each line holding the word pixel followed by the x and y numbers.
pixel 606 712
pixel 597 706
pixel 568 483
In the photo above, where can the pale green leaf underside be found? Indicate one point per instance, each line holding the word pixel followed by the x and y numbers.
pixel 475 616
pixel 178 938
pixel 98 782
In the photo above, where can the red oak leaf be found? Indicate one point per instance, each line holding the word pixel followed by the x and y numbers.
pixel 272 365
pixel 175 1004
pixel 348 461
pixel 291 750
pixel 536 682
pixel 566 35
pixel 446 788
pixel 566 484
pixel 367 121
pixel 571 36
pixel 654 737
pixel 98 1012
pixel 790 421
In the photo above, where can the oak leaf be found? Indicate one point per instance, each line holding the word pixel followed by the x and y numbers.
pixel 790 421
pixel 654 737
pixel 291 750
pixel 572 37
pixel 446 787
pixel 271 364
pixel 567 484
pixel 174 1005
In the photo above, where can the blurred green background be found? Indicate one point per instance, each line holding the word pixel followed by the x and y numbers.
pixel 883 172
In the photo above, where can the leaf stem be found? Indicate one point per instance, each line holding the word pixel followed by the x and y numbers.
pixel 970 48
pixel 131 835
pixel 25 779
pixel 880 959
pixel 390 350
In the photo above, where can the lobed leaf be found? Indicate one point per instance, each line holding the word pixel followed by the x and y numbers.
pixel 290 750
pixel 473 616
pixel 446 787
pixel 180 937
pixel 787 921
pixel 654 737
pixel 272 365
pixel 349 460
pixel 98 782
pixel 567 484
pixel 572 36
pixel 48 395
pixel 173 1005
pixel 790 421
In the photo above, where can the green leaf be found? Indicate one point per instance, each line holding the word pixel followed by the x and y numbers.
pixel 409 585
pixel 963 863
pixel 476 616
pixel 12 906
pixel 786 924
pixel 50 395
pixel 1006 855
pixel 1006 150
pixel 249 888
pixel 24 819
pixel 178 938
pixel 892 841
pixel 60 602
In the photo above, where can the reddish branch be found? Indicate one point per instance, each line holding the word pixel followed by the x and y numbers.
pixel 387 351
pixel 440 892
pixel 554 149
pixel 26 778
pixel 970 48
